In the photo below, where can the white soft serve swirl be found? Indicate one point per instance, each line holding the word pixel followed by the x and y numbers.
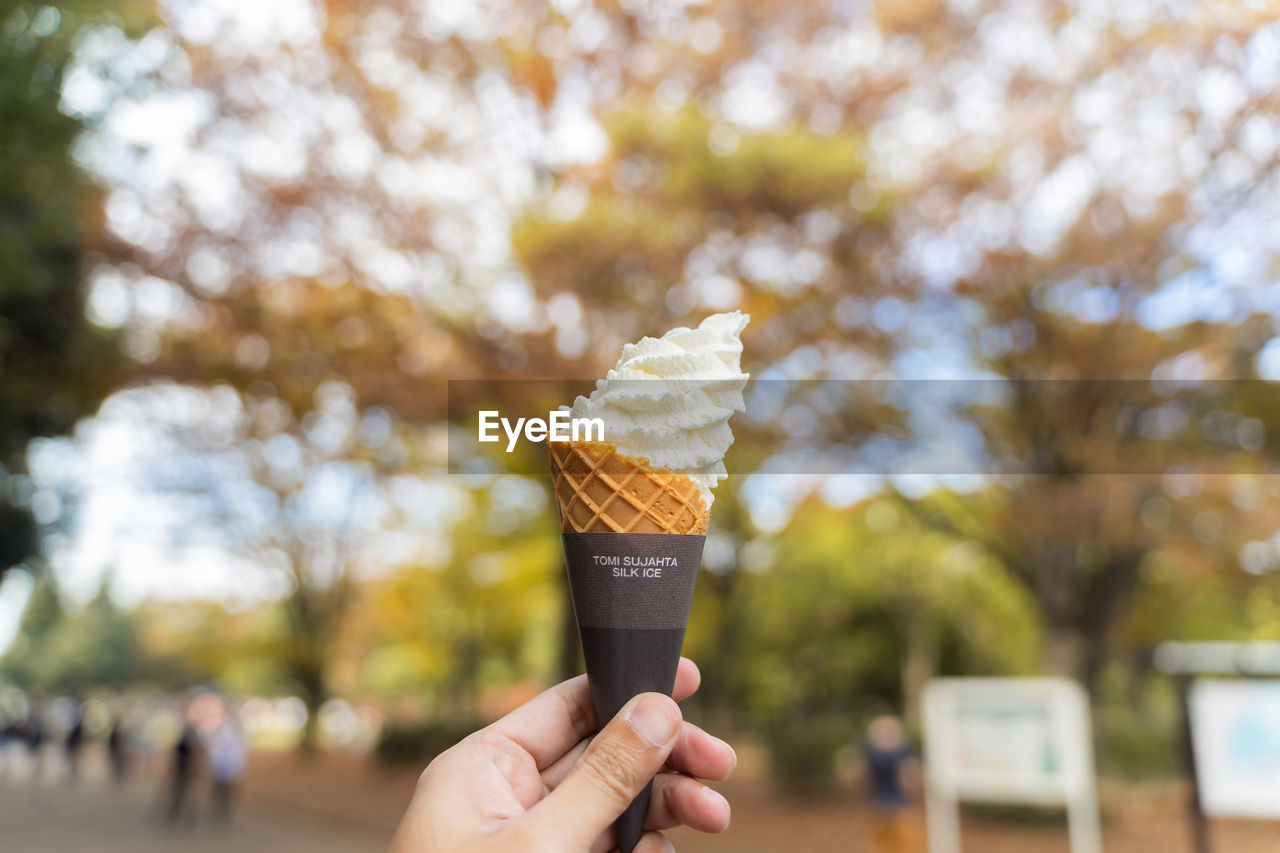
pixel 669 399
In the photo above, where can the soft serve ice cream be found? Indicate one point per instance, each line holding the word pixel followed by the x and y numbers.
pixel 668 400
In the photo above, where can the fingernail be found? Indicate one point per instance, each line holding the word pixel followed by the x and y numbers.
pixel 652 717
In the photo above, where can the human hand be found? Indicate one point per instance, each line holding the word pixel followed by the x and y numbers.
pixel 537 782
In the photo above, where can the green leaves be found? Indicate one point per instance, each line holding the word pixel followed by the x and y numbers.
pixel 56 652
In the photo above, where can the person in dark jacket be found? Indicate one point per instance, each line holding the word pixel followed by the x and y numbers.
pixel 890 761
pixel 72 745
pixel 182 771
pixel 118 750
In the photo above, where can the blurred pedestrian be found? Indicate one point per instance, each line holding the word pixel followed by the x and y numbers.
pixel 890 761
pixel 185 755
pixel 33 731
pixel 118 750
pixel 72 744
pixel 10 732
pixel 227 756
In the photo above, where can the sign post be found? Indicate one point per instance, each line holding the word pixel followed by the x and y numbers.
pixel 1008 740
pixel 1231 729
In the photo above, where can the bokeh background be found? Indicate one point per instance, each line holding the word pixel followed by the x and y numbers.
pixel 244 246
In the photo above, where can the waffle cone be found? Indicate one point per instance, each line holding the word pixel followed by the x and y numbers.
pixel 600 489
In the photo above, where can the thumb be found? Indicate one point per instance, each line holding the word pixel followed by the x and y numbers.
pixel 616 766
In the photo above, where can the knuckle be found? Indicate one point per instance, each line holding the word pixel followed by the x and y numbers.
pixel 486 742
pixel 505 753
pixel 427 776
pixel 611 769
pixel 581 714
pixel 437 768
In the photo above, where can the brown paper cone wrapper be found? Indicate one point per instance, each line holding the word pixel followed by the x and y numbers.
pixel 631 596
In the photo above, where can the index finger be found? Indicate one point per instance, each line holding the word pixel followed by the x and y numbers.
pixel 553 722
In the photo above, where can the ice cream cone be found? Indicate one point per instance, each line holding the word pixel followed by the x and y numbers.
pixel 600 489
pixel 633 510
pixel 633 539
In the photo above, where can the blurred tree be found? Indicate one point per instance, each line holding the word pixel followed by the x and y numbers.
pixel 334 256
pixel 296 501
pixel 373 198
pixel 1084 540
pixel 185 643
pixel 682 227
pixel 97 647
pixel 1114 283
pixel 41 617
pixel 850 611
pixel 485 614
pixel 57 653
pixel 338 327
pixel 55 366
pixel 1055 241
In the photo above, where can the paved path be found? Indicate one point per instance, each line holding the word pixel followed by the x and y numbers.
pixel 51 817
pixel 294 808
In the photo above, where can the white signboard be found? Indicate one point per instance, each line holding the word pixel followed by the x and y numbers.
pixel 1235 732
pixel 1008 740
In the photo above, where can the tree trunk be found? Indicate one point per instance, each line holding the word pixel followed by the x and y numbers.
pixel 314 694
pixel 919 659
pixel 1065 652
pixel 310 659
pixel 1080 606
pixel 1074 651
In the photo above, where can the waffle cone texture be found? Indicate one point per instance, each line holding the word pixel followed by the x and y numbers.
pixel 599 489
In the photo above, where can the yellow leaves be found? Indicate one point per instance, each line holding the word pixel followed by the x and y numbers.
pixel 783 173
pixel 488 616
pixel 906 15
pixel 533 71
